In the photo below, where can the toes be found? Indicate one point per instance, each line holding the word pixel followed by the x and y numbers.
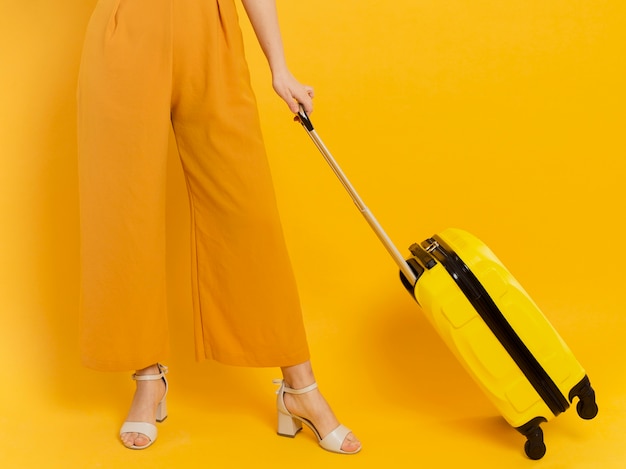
pixel 138 440
pixel 351 444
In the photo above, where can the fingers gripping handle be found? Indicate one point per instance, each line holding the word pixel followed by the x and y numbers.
pixel 304 119
pixel 391 248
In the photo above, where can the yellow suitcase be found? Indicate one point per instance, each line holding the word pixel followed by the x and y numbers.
pixel 498 333
pixel 489 322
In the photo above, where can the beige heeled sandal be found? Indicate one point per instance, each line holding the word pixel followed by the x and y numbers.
pixel 289 424
pixel 145 428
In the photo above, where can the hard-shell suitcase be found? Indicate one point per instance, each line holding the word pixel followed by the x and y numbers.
pixel 489 322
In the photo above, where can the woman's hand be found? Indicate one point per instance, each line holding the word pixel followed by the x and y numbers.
pixel 293 92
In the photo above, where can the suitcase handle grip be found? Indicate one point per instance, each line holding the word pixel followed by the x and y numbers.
pixel 304 119
pixel 406 270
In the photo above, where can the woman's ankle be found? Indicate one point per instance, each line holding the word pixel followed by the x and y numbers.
pixel 149 370
pixel 298 376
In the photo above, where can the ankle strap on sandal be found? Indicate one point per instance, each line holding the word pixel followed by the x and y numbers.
pixel 162 368
pixel 289 390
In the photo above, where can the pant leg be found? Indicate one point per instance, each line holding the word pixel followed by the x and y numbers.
pixel 124 118
pixel 247 309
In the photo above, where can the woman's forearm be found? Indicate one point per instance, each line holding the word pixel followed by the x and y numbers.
pixel 264 19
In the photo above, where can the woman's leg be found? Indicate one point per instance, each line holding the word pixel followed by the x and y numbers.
pixel 246 304
pixel 123 129
pixel 144 406
pixel 312 405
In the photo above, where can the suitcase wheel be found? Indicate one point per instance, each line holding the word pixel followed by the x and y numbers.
pixel 587 408
pixel 535 448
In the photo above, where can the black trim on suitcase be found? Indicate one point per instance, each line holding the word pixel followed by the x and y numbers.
pixel 417 269
pixel 495 320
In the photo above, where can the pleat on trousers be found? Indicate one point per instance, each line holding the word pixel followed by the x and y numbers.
pixel 148 65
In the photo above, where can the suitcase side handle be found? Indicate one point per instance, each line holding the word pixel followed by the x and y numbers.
pixel 406 270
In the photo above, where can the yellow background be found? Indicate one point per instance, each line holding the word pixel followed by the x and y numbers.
pixel 504 118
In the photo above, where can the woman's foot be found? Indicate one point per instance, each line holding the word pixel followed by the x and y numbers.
pixel 148 395
pixel 312 406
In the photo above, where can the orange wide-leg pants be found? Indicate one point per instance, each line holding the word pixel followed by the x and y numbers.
pixel 148 65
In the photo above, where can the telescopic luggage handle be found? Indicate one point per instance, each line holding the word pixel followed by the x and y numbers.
pixel 380 232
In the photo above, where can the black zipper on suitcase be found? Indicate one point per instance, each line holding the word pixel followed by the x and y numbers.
pixel 495 320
